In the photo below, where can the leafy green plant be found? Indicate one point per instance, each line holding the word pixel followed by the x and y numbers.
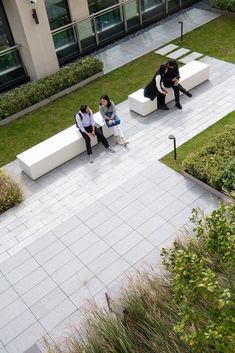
pixel 224 4
pixel 201 275
pixel 10 192
pixel 212 164
pixel 36 91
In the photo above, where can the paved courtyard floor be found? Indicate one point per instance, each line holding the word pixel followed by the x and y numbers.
pixel 82 228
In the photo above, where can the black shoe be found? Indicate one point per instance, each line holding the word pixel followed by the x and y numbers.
pixel 164 107
pixel 178 105
pixel 188 94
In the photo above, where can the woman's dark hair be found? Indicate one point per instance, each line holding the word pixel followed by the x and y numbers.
pixel 162 69
pixel 83 108
pixel 107 99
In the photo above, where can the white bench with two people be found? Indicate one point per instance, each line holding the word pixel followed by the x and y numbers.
pixel 56 150
pixel 191 75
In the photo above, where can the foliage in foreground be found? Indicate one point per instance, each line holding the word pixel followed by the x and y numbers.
pixel 224 4
pixel 188 311
pixel 202 279
pixel 34 92
pixel 10 192
pixel 214 163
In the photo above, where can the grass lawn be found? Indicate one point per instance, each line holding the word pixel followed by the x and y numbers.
pixel 216 39
pixel 197 142
pixel 58 115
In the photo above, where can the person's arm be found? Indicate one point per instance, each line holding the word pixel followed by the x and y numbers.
pixel 177 73
pixel 113 110
pixel 92 122
pixel 79 122
pixel 158 84
pixel 102 112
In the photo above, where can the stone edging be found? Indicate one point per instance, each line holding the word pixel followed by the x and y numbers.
pixel 50 99
pixel 205 186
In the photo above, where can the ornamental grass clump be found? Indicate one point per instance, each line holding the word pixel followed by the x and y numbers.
pixel 10 192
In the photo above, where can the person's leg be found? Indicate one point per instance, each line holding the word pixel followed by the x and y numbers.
pixel 182 89
pixel 161 102
pixel 101 137
pixel 88 142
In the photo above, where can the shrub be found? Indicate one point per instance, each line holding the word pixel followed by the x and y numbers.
pixel 202 276
pixel 36 91
pixel 10 192
pixel 210 162
pixel 224 4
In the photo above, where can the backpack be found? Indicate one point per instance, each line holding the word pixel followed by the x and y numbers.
pixel 76 119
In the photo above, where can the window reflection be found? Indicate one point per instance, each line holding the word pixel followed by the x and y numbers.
pixel 108 19
pixel 151 4
pixel 57 12
pixel 6 39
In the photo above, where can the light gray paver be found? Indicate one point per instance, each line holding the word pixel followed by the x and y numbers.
pixel 192 56
pixel 166 49
pixel 178 53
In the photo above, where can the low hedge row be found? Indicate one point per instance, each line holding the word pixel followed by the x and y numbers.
pixel 224 4
pixel 214 164
pixel 10 192
pixel 34 92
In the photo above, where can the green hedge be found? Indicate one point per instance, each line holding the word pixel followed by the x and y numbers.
pixel 36 91
pixel 224 4
pixel 214 164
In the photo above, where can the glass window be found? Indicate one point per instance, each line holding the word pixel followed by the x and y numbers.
pixel 150 4
pixel 98 5
pixel 109 18
pixel 6 39
pixel 57 12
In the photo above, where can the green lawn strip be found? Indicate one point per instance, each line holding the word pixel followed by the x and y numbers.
pixel 216 39
pixel 197 142
pixel 58 115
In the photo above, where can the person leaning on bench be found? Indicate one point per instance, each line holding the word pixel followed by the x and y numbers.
pixel 86 125
pixel 171 79
pixel 155 88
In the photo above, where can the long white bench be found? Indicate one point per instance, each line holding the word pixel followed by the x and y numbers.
pixel 49 154
pixel 191 75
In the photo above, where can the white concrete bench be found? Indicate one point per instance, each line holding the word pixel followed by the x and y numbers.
pixel 49 154
pixel 191 75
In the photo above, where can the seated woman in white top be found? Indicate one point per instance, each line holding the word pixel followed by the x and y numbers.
pixel 108 112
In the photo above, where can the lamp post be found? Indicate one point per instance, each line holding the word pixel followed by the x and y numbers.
pixel 172 137
pixel 181 30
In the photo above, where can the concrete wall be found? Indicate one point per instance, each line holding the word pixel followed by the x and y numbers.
pixel 37 47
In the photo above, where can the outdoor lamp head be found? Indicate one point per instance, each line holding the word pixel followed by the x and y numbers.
pixel 171 137
pixel 33 1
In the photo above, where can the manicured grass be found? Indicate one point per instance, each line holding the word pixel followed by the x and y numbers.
pixel 51 119
pixel 216 39
pixel 197 142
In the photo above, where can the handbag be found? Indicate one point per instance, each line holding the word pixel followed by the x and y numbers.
pixel 116 121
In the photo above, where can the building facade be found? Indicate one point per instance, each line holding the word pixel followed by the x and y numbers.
pixel 39 36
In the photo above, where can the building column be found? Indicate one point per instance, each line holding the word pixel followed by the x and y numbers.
pixel 37 48
pixel 78 9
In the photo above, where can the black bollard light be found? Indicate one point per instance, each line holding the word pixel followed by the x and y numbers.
pixel 172 137
pixel 181 30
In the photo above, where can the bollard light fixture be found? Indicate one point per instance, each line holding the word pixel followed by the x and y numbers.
pixel 181 30
pixel 172 137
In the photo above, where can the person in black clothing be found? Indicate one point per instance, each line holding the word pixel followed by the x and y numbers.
pixel 171 79
pixel 155 88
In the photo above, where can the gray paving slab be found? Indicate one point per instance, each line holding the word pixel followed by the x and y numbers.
pixel 192 56
pixel 178 53
pixel 166 49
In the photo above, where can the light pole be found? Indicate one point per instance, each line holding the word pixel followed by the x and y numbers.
pixel 181 30
pixel 172 137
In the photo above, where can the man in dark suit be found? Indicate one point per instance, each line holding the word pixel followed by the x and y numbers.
pixel 171 79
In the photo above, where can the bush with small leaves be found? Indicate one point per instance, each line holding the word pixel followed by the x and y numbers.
pixel 10 192
pixel 34 92
pixel 228 5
